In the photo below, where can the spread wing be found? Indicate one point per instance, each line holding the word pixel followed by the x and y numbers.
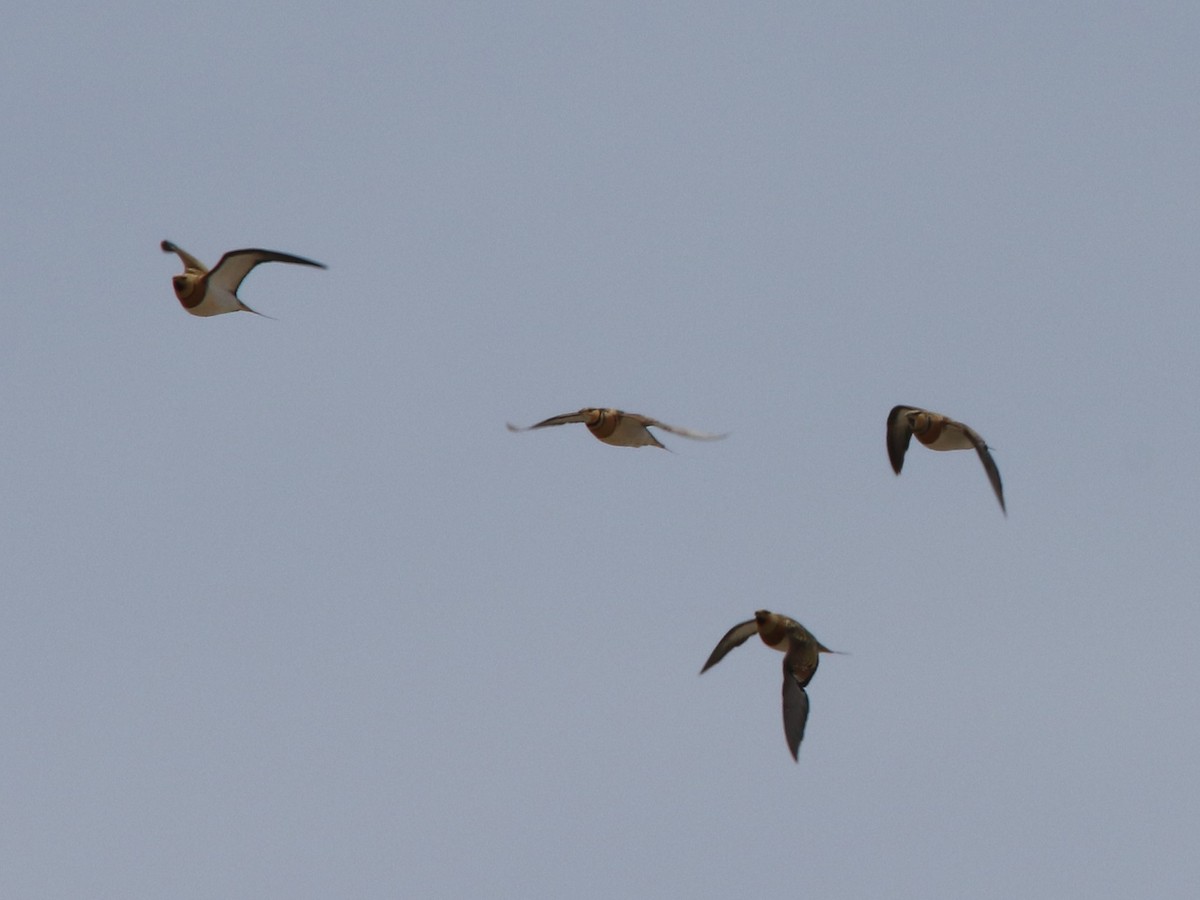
pixel 735 637
pixel 989 464
pixel 674 429
pixel 899 433
pixel 235 265
pixel 564 419
pixel 189 261
pixel 795 710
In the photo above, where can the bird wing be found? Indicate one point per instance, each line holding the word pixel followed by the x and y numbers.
pixel 235 265
pixel 795 710
pixel 735 637
pixel 564 419
pixel 989 464
pixel 674 429
pixel 189 261
pixel 899 433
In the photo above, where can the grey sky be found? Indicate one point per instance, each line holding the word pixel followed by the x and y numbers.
pixel 289 613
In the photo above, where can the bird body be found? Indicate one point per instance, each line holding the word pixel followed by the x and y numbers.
pixel 938 432
pixel 204 292
pixel 621 429
pixel 801 656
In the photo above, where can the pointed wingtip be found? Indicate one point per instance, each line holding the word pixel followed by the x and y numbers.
pixel 245 308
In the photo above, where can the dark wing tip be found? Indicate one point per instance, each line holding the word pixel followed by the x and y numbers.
pixel 715 657
pixel 898 437
pixel 734 637
pixel 167 247
pixel 989 466
pixel 276 256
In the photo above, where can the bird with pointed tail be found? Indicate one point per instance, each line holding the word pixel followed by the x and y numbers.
pixel 937 432
pixel 621 429
pixel 801 655
pixel 205 292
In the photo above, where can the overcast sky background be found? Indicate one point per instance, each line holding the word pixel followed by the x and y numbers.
pixel 287 612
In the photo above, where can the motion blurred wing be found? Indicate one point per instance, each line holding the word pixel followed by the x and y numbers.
pixel 564 419
pixel 674 429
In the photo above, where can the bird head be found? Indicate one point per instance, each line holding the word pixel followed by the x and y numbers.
pixel 185 284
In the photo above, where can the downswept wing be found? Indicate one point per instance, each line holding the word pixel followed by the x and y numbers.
pixel 795 709
pixel 899 433
pixel 989 464
pixel 735 637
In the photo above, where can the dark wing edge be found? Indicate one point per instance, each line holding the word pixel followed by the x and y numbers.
pixel 989 465
pixel 564 419
pixel 734 637
pixel 237 264
pixel 898 436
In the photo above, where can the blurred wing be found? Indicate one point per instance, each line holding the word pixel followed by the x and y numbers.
pixel 235 265
pixel 735 637
pixel 189 261
pixel 989 464
pixel 898 435
pixel 682 432
pixel 564 419
pixel 795 711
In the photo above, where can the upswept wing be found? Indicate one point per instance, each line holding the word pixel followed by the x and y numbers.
pixel 189 261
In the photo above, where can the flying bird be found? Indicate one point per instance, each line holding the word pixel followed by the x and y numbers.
pixel 801 654
pixel 621 429
pixel 937 432
pixel 210 293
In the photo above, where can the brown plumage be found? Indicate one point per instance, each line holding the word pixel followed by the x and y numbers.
pixel 801 655
pixel 204 292
pixel 621 429
pixel 937 432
